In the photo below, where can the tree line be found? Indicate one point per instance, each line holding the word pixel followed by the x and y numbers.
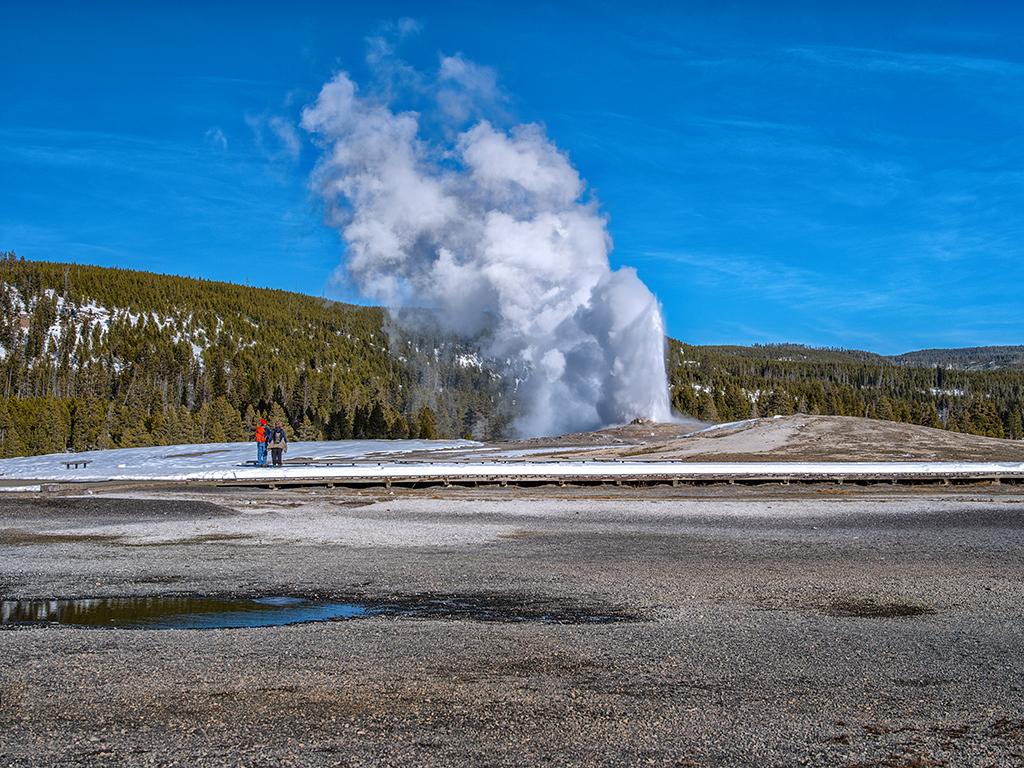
pixel 734 383
pixel 93 357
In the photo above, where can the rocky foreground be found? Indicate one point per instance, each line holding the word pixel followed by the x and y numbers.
pixel 810 627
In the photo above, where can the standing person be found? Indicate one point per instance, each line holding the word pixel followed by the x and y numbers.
pixel 278 443
pixel 262 437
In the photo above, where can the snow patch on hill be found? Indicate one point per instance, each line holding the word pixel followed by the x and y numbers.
pixel 74 324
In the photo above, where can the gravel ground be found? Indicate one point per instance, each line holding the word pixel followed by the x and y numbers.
pixel 882 629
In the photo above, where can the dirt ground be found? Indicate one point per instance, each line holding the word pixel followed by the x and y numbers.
pixel 786 438
pixel 761 627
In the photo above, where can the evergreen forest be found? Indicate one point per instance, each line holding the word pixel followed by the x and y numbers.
pixel 94 357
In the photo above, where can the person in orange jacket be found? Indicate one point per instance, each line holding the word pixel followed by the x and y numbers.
pixel 262 438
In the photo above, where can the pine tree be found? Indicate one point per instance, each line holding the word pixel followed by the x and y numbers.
pixel 469 420
pixel 11 443
pixel 1015 424
pixel 426 424
pixel 185 427
pixel 736 403
pixel 227 422
pixel 359 417
pixel 203 425
pixel 105 433
pixel 338 425
pixel 778 404
pixel 215 432
pixel 250 420
pixel 377 423
pixel 158 428
pixel 954 423
pixel 984 419
pixel 277 414
pixel 884 410
pixel 308 430
pixel 132 428
pixel 708 411
pixel 398 428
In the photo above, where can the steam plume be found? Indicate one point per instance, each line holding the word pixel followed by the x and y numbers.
pixel 490 228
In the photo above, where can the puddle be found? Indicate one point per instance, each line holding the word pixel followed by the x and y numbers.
pixel 183 612
pixel 174 612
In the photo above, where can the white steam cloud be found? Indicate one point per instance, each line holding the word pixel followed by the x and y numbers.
pixel 489 228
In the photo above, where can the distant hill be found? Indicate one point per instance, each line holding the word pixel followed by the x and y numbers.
pixel 796 353
pixel 966 359
pixel 92 357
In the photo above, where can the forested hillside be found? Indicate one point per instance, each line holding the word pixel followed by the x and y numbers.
pixel 729 383
pixel 93 357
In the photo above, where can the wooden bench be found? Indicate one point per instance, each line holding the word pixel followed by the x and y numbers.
pixel 76 463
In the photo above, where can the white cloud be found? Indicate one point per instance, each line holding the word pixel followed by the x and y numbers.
pixel 287 135
pixel 466 89
pixel 391 73
pixel 275 136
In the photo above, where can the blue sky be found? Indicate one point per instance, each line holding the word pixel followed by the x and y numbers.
pixel 800 172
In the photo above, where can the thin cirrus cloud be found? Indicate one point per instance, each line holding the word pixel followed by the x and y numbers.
pixel 96 149
pixel 215 138
pixel 793 304
pixel 768 278
pixel 908 62
pixel 97 164
pixel 821 305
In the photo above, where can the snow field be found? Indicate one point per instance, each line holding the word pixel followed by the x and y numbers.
pixel 383 459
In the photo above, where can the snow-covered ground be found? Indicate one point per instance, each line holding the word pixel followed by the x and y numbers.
pixel 209 460
pixel 382 459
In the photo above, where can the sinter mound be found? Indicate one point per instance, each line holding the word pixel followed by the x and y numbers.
pixel 781 438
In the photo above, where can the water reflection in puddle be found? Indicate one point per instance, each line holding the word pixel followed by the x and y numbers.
pixel 175 612
pixel 199 612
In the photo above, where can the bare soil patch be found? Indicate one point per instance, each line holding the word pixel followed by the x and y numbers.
pixel 789 438
pixel 868 608
pixel 19 536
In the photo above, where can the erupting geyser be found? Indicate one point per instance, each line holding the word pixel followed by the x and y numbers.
pixel 491 230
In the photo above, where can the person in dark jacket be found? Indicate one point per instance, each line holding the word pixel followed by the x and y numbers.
pixel 278 444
